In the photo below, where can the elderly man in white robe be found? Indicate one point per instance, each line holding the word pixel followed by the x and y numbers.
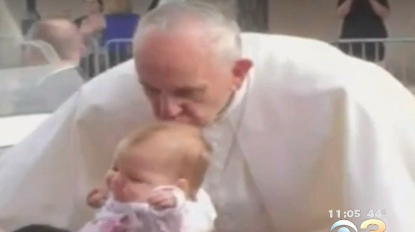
pixel 304 135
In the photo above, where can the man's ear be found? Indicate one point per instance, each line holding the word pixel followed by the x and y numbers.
pixel 239 71
pixel 184 185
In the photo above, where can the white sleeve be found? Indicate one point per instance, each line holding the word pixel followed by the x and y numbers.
pixel 187 216
pixel 199 216
pixel 171 219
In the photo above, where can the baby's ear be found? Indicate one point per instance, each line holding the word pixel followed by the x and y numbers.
pixel 183 184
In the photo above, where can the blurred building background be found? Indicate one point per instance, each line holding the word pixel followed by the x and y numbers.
pixel 311 18
pixel 308 18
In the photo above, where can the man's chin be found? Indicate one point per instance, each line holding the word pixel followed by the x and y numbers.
pixel 194 122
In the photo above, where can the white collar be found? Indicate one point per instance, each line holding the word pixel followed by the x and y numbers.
pixel 238 98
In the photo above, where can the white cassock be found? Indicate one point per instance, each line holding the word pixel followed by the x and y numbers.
pixel 312 130
pixel 162 2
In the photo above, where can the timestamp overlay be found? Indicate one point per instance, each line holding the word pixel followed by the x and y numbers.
pixel 344 219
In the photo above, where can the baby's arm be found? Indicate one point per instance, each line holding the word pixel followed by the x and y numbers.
pixel 109 224
pixel 94 227
pixel 112 217
pixel 165 209
pixel 172 213
pixel 97 196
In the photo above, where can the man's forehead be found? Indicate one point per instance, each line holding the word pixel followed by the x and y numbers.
pixel 191 38
pixel 177 58
pixel 172 59
pixel 180 85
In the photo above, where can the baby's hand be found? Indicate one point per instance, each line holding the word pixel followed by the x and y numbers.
pixel 97 197
pixel 163 199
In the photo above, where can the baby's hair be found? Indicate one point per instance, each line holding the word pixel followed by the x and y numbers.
pixel 194 162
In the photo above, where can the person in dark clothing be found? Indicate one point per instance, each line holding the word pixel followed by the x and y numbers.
pixel 91 26
pixel 121 22
pixel 40 228
pixel 92 7
pixel 153 5
pixel 363 19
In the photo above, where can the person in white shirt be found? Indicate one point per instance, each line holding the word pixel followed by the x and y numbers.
pixel 61 51
pixel 62 35
pixel 298 129
pixel 46 73
pixel 9 34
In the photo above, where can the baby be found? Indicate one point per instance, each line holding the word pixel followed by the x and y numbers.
pixel 154 185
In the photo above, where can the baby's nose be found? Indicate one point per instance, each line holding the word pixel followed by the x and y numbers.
pixel 117 181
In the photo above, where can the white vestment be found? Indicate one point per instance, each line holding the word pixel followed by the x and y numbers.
pixel 312 130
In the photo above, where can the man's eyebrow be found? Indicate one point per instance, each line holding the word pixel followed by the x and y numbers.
pixel 146 85
pixel 192 88
pixel 179 88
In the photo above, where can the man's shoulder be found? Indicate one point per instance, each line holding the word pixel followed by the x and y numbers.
pixel 276 53
pixel 310 65
pixel 283 41
pixel 118 74
pixel 281 52
pixel 116 84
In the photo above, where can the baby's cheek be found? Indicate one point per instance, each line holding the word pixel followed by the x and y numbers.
pixel 137 192
pixel 108 179
pixel 146 193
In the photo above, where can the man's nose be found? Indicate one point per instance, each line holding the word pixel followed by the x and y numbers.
pixel 169 107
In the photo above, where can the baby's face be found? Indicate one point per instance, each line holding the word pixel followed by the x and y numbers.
pixel 140 171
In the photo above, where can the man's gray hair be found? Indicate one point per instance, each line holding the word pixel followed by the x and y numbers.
pixel 223 33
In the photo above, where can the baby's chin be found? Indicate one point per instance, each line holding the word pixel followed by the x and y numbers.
pixel 128 199
pixel 127 196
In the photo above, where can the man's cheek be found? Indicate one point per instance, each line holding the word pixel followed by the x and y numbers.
pixel 155 107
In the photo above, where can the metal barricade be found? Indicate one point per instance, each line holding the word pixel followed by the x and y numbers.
pixel 397 55
pixel 92 64
pixel 103 58
pixel 118 51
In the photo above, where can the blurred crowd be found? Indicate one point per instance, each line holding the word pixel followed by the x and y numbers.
pixel 106 29
pixel 61 53
pixel 363 19
pixel 112 20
